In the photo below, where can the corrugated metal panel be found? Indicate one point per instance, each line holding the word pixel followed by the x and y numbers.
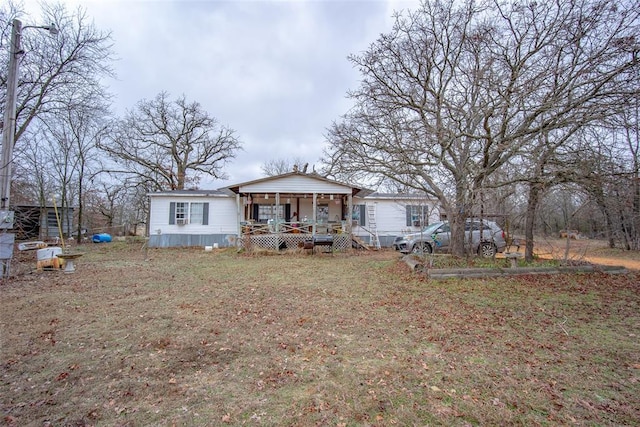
pixel 295 184
pixel 49 223
pixel 186 240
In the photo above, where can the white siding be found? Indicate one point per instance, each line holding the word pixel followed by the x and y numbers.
pixel 295 184
pixel 222 215
pixel 391 213
pixel 390 210
pixel 391 217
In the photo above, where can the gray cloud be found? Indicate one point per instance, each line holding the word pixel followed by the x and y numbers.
pixel 275 71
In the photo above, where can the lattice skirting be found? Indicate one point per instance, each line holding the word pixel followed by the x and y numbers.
pixel 341 242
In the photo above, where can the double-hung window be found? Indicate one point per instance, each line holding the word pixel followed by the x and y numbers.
pixel 182 213
pixel 417 215
pixel 196 211
pixel 358 215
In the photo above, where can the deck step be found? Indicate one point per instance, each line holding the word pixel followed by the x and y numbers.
pixel 361 242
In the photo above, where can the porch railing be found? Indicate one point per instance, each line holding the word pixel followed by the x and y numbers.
pixel 289 235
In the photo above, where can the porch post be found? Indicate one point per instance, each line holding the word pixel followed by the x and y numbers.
pixel 239 206
pixel 350 214
pixel 277 216
pixel 276 222
pixel 314 216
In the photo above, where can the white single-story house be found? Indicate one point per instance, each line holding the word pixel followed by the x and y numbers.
pixel 284 211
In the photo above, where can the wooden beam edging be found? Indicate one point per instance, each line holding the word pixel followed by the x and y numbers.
pixel 445 273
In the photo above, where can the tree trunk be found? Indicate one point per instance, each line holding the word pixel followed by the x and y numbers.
pixel 601 203
pixel 182 176
pixel 80 206
pixel 456 223
pixel 534 196
pixel 635 221
pixel 623 225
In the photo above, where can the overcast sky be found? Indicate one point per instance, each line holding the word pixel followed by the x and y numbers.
pixel 275 71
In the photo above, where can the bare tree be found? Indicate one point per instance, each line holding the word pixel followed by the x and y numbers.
pixel 109 204
pixel 31 180
pixel 280 166
pixel 612 160
pixel 56 73
pixel 627 124
pixel 457 90
pixel 74 136
pixel 171 144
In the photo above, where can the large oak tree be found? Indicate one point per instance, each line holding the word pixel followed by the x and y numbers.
pixel 168 144
pixel 457 90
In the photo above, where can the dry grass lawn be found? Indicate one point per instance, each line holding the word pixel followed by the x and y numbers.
pixel 190 337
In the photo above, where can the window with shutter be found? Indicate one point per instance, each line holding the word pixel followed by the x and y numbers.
pixel 417 216
pixel 183 213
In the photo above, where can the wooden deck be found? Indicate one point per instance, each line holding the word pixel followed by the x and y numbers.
pixel 281 241
pixel 290 240
pixel 289 235
pixel 255 229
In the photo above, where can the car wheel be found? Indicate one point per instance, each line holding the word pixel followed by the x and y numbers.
pixel 487 250
pixel 421 248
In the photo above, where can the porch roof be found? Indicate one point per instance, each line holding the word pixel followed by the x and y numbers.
pixel 294 179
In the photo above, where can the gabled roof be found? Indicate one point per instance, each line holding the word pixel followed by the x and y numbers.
pixel 354 190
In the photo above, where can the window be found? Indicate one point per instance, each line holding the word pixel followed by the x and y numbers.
pixel 196 211
pixel 182 213
pixel 264 213
pixel 322 214
pixel 358 215
pixel 267 212
pixel 417 215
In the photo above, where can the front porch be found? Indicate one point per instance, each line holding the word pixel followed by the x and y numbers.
pixel 281 241
pixel 289 235
pixel 289 209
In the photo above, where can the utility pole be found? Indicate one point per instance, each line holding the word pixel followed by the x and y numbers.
pixel 8 141
pixel 9 124
pixel 8 137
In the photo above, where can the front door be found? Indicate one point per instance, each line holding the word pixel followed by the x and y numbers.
pixel 322 214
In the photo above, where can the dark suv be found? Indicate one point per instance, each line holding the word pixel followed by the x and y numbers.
pixel 437 237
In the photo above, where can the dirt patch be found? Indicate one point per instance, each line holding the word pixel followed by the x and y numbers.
pixel 593 251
